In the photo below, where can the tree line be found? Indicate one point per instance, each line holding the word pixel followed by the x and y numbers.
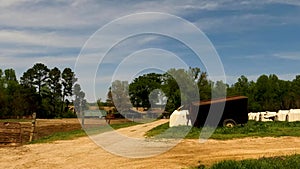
pixel 179 86
pixel 48 92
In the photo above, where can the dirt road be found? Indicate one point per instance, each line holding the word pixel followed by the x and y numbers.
pixel 84 153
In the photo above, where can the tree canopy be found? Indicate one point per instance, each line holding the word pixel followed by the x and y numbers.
pixel 41 90
pixel 268 93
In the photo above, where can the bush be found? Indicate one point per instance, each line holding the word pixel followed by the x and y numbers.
pixel 287 162
pixel 69 114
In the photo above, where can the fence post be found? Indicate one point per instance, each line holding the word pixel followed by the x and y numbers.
pixel 32 127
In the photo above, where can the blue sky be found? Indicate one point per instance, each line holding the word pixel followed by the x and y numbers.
pixel 251 37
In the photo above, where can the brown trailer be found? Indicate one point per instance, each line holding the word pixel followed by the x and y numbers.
pixel 227 111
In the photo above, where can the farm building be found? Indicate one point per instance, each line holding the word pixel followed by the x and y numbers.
pixel 253 116
pixel 281 115
pixel 231 110
pixel 293 115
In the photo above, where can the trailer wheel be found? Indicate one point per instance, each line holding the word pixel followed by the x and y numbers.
pixel 229 123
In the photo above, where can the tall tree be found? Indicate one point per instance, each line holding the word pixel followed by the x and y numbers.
pixel 55 90
pixel 26 96
pixel 180 87
pixel 296 91
pixel 204 86
pixel 79 101
pixel 220 89
pixel 241 87
pixel 10 75
pixel 68 81
pixel 120 95
pixel 11 85
pixel 36 76
pixel 109 99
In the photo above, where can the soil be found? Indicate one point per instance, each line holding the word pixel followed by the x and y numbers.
pixel 46 127
pixel 84 153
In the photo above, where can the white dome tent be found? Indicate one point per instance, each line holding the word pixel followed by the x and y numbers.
pixel 180 118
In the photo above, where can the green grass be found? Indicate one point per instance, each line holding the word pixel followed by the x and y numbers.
pixel 69 135
pixel 286 162
pixel 251 129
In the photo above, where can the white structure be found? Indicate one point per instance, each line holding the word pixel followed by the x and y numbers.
pixel 281 115
pixel 269 116
pixel 253 116
pixel 180 118
pixel 265 116
pixel 262 116
pixel 293 115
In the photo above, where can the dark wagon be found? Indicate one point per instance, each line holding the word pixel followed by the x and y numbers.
pixel 235 111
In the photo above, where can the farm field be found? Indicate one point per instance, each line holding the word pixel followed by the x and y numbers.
pixel 84 153
pixel 46 127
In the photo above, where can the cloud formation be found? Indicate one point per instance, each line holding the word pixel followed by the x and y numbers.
pixel 54 32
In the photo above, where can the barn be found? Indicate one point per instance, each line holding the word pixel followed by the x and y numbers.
pixel 231 110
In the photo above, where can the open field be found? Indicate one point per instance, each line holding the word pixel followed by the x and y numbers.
pixel 84 153
pixel 47 127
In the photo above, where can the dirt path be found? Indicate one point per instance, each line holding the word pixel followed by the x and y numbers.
pixel 84 153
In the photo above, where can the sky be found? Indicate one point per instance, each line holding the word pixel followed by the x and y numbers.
pixel 107 40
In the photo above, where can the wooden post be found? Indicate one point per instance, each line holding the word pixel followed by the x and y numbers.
pixel 82 118
pixel 32 127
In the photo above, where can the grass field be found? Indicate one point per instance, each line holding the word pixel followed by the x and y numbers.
pixel 251 129
pixel 286 162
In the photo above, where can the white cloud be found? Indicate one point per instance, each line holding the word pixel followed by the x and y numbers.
pixel 294 56
pixel 288 56
pixel 11 3
pixel 33 27
pixel 50 39
pixel 290 2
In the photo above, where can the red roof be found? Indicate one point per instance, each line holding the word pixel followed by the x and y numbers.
pixel 218 100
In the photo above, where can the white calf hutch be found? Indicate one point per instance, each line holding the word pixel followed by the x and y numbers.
pixel 282 115
pixel 180 118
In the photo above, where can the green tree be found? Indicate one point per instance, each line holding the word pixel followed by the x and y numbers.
pixel 109 100
pixel 120 95
pixel 141 87
pixel 267 93
pixel 10 75
pixel 204 86
pixel 79 101
pixel 241 87
pixel 37 77
pixel 286 95
pixel 68 81
pixel 180 87
pixel 220 89
pixel 24 101
pixel 55 91
pixel 11 84
pixel 295 89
